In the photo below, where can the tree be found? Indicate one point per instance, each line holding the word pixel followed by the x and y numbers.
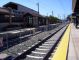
pixel 53 19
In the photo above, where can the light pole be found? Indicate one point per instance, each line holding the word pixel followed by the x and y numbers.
pixel 52 12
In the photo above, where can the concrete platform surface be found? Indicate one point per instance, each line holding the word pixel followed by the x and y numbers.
pixel 73 53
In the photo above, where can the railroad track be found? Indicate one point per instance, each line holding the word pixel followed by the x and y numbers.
pixel 14 39
pixel 43 49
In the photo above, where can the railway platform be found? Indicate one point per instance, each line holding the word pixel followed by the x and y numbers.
pixel 74 44
pixel 68 48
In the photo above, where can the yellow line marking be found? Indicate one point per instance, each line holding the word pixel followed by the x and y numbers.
pixel 61 51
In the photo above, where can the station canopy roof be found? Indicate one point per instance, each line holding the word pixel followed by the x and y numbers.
pixel 75 6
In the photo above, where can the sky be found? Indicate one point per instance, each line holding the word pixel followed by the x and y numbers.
pixel 60 8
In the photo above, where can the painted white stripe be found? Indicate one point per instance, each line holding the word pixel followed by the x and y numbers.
pixel 34 56
pixel 38 52
pixel 41 49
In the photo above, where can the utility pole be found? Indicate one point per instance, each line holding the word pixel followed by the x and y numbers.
pixel 38 7
pixel 52 13
pixel 38 13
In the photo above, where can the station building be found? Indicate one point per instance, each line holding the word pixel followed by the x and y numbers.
pixel 19 15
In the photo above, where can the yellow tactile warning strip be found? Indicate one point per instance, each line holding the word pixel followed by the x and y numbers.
pixel 61 51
